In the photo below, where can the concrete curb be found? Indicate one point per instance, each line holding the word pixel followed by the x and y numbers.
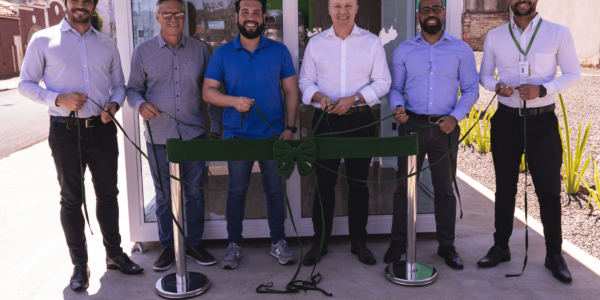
pixel 581 256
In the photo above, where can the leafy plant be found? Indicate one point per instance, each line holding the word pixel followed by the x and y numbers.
pixel 572 170
pixel 594 193
pixel 466 123
pixel 522 165
pixel 481 136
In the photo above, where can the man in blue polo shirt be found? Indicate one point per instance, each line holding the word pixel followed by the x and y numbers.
pixel 254 69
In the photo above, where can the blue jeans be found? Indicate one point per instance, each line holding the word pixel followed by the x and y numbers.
pixel 191 172
pixel 239 175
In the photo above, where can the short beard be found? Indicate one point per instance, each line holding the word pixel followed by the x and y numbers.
pixel 79 20
pixel 251 35
pixel 518 14
pixel 434 29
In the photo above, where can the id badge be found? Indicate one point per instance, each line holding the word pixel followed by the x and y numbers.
pixel 524 69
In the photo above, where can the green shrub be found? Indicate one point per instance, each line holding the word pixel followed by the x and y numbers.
pixel 594 193
pixel 481 137
pixel 572 170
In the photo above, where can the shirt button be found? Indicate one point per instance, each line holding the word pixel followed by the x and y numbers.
pixel 176 82
pixel 177 95
pixel 175 68
pixel 431 72
pixel 432 88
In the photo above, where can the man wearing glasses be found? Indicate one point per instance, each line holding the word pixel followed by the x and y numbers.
pixel 526 52
pixel 428 71
pixel 166 76
pixel 344 67
pixel 76 61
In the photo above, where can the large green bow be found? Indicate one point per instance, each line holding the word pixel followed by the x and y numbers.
pixel 284 155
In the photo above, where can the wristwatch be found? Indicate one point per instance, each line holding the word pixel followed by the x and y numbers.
pixel 356 100
pixel 543 91
pixel 293 129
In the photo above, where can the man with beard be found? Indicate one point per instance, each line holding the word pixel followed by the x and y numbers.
pixel 254 69
pixel 76 61
pixel 348 64
pixel 428 71
pixel 167 73
pixel 526 52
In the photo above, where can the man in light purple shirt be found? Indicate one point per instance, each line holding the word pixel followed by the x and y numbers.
pixel 77 62
pixel 428 71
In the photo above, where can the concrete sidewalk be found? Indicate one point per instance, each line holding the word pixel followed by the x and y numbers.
pixel 37 265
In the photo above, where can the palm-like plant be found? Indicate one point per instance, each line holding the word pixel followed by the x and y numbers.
pixel 594 194
pixel 482 136
pixel 572 170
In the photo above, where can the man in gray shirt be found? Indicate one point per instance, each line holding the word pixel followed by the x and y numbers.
pixel 166 75
pixel 77 62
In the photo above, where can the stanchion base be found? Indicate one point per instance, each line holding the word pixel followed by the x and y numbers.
pixel 166 287
pixel 396 273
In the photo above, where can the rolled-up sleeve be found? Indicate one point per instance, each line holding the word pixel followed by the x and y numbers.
pixel 569 64
pixel 31 74
pixel 398 79
pixel 381 79
pixel 469 83
pixel 136 86
pixel 308 76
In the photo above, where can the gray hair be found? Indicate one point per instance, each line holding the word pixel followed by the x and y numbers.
pixel 159 2
pixel 329 2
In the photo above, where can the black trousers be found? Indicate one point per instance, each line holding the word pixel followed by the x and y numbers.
pixel 99 152
pixel 358 168
pixel 544 153
pixel 433 142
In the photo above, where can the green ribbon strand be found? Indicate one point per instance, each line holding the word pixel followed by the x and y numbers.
pixel 286 155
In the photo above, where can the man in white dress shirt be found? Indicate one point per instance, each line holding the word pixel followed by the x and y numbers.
pixel 526 52
pixel 344 73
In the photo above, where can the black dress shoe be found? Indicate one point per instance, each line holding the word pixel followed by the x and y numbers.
pixel 201 256
pixel 311 256
pixel 80 280
pixel 365 255
pixel 448 253
pixel 394 252
pixel 495 256
pixel 165 259
pixel 559 268
pixel 123 264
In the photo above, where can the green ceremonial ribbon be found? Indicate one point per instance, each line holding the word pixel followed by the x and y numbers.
pixel 530 42
pixel 285 154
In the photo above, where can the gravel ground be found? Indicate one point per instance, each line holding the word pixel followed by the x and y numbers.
pixel 580 225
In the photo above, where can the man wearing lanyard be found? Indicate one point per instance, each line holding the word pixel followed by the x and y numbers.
pixel 254 70
pixel 526 52
pixel 429 70
pixel 76 61
pixel 166 74
pixel 347 64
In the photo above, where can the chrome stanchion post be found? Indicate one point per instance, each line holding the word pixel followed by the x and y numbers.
pixel 409 271
pixel 181 284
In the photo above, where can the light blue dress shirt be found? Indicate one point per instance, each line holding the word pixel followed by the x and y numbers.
pixel 69 62
pixel 430 76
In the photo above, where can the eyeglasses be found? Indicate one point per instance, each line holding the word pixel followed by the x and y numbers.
pixel 168 15
pixel 426 10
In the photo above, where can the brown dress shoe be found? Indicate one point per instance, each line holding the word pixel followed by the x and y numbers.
pixel 365 255
pixel 310 258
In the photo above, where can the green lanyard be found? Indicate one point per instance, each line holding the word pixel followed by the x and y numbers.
pixel 530 42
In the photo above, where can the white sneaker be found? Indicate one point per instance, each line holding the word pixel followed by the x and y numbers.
pixel 283 253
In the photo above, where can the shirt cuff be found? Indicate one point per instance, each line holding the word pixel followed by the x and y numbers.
pixel 138 104
pixel 309 93
pixel 396 100
pixel 51 98
pixel 550 88
pixel 458 116
pixel 490 85
pixel 369 95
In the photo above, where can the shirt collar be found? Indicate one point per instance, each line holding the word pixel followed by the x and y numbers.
pixel 264 43
pixel 65 26
pixel 445 36
pixel 162 43
pixel 531 25
pixel 355 30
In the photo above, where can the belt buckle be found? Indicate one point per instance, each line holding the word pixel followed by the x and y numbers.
pixel 520 111
pixel 88 123
pixel 429 119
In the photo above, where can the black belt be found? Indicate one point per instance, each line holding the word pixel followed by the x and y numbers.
pixel 426 118
pixel 353 109
pixel 86 123
pixel 530 111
